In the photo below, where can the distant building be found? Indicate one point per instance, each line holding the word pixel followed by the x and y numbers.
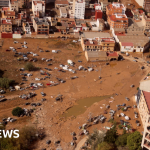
pixel 147 6
pixel 41 26
pixel 4 3
pixel 104 4
pixel 117 21
pixel 38 8
pixel 15 5
pixel 97 41
pixel 63 12
pixel 61 3
pixel 26 28
pixel 115 8
pixel 6 25
pixel 78 9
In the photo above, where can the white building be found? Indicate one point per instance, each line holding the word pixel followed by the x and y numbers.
pixel 78 9
pixel 38 7
pixel 63 12
pixel 141 2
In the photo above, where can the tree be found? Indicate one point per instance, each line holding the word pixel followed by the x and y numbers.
pixel 29 66
pixel 17 111
pixel 122 140
pixel 5 83
pixel 120 126
pixel 134 141
pixel 105 146
pixel 95 138
pixel 111 135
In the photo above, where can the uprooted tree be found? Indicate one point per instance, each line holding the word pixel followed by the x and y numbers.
pixel 29 66
pixel 18 111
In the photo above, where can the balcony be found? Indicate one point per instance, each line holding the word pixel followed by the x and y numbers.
pixel 147 145
pixel 148 137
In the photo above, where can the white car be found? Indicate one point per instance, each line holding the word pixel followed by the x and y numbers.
pixel 37 79
pixel 39 84
pixel 35 54
pixel 54 51
pixel 35 85
pixel 43 59
pixel 29 74
pixel 25 46
pixel 122 114
pixel 136 116
pixel 126 117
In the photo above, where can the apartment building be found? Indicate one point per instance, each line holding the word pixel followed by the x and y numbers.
pixel 115 8
pixel 6 25
pixel 41 26
pixel 63 12
pixel 147 6
pixel 4 3
pixel 78 9
pixel 26 27
pixel 117 21
pixel 104 4
pixel 143 103
pixel 14 5
pixel 38 8
pixel 8 14
pixel 146 135
pixel 99 42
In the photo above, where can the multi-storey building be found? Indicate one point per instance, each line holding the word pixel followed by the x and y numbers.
pixel 63 12
pixel 38 7
pixel 115 8
pixel 6 25
pixel 143 102
pixel 14 5
pixel 78 9
pixel 8 14
pixel 41 26
pixel 4 3
pixel 118 21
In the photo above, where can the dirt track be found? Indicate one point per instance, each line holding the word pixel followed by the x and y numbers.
pixel 48 115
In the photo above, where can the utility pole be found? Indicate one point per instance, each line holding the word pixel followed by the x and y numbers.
pixel 100 72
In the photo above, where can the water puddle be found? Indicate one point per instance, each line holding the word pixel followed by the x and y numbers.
pixel 82 105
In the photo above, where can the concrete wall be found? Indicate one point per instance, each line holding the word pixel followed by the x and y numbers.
pixel 17 36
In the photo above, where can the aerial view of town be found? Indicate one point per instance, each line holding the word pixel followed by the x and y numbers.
pixel 74 74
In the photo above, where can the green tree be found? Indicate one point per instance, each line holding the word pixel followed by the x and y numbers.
pixel 5 83
pixel 134 141
pixel 95 138
pixel 17 111
pixel 29 66
pixel 120 126
pixel 105 146
pixel 111 135
pixel 122 140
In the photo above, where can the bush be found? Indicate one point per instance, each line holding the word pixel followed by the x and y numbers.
pixel 17 111
pixel 120 126
pixel 95 138
pixel 5 83
pixel 105 146
pixel 111 135
pixel 134 141
pixel 122 109
pixel 122 140
pixel 29 66
pixel 27 136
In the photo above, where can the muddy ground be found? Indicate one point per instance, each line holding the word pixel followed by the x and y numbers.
pixel 116 78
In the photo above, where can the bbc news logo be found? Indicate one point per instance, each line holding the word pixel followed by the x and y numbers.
pixel 9 133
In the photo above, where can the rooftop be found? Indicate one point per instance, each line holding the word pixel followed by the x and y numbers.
pixel 6 21
pixel 126 43
pixel 9 13
pixel 61 2
pixel 115 5
pixel 118 18
pixel 63 9
pixel 39 2
pixel 144 85
pixel 41 21
pixel 95 34
pixel 96 54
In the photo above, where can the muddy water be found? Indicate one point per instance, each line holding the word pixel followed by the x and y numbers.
pixel 82 105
